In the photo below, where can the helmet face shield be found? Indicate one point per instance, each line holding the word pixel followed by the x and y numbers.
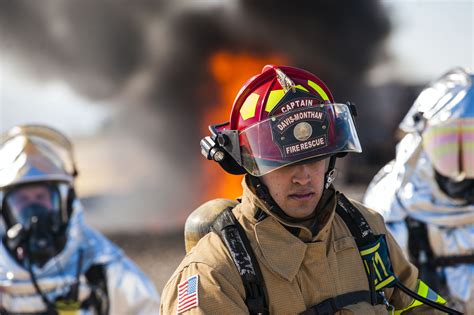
pixel 35 222
pixel 450 148
pixel 38 200
pixel 297 135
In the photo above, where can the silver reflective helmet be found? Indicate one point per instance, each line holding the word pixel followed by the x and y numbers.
pixel 35 156
pixel 431 178
pixel 444 116
pixel 32 153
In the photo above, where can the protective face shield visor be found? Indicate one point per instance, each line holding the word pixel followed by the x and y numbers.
pixel 450 148
pixel 298 135
pixel 36 220
pixel 32 203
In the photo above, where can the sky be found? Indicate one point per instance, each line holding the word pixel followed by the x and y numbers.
pixel 23 100
pixel 428 38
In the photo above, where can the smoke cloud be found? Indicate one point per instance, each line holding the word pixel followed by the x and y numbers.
pixel 152 57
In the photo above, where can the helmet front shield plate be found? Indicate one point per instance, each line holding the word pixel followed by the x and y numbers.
pixel 298 135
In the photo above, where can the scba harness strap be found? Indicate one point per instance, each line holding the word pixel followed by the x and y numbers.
pixel 374 253
pixel 236 241
pixel 332 305
pixel 423 255
pixel 373 250
pixel 233 236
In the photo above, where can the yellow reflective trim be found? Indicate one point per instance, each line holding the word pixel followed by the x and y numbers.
pixel 376 271
pixel 383 283
pixel 67 307
pixel 301 88
pixel 366 265
pixel 378 261
pixel 318 89
pixel 414 303
pixel 248 108
pixel 370 250
pixel 422 290
pixel 440 300
pixel 273 98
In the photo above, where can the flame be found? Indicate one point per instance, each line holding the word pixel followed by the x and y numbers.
pixel 230 71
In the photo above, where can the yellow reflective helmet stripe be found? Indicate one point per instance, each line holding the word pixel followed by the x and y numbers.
pixel 301 88
pixel 273 98
pixel 276 95
pixel 426 292
pixel 248 108
pixel 318 89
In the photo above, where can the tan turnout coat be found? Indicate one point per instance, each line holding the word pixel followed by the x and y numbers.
pixel 299 271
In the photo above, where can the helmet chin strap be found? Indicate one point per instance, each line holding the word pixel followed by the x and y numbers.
pixel 330 175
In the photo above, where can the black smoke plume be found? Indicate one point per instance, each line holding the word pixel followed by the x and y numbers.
pixel 152 57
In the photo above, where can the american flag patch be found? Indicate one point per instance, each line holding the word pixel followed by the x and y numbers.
pixel 188 294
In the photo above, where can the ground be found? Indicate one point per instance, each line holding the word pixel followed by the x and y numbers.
pixel 156 255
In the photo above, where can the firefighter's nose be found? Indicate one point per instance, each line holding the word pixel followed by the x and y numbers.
pixel 301 174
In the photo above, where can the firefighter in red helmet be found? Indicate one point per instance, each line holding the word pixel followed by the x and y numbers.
pixel 292 244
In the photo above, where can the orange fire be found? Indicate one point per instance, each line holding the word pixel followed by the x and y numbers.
pixel 230 71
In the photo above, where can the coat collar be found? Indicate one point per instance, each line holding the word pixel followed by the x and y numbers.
pixel 274 239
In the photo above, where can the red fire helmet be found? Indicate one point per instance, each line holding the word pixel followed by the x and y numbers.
pixel 283 116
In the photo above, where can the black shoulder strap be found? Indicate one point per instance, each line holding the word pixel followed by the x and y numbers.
pixel 421 253
pixel 354 220
pixel 98 299
pixel 362 233
pixel 333 305
pixel 236 241
pixel 418 243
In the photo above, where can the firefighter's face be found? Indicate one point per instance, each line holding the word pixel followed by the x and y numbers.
pixel 32 194
pixel 297 189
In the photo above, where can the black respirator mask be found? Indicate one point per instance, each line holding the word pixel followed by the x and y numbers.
pixel 458 190
pixel 34 233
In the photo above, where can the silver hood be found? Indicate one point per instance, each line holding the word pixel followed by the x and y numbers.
pixel 129 290
pixel 407 187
